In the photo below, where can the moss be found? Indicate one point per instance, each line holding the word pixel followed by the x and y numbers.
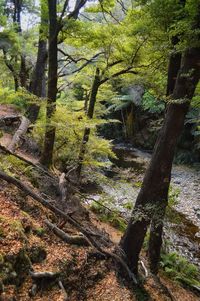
pixel 22 266
pixel 16 225
pixel 1 259
pixel 6 274
pixel 1 287
pixel 39 231
pixel 111 217
pixel 37 254
pixel 2 234
pixel 14 268
pixel 128 205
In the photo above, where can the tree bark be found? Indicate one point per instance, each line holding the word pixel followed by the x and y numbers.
pixel 152 199
pixel 90 113
pixel 47 154
pixel 79 240
pixel 156 230
pixel 12 70
pixel 36 85
pixel 38 81
pixel 19 133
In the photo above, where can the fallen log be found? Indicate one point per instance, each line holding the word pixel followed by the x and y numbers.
pixel 9 119
pixel 25 122
pixel 79 240
pixel 69 219
pixel 37 166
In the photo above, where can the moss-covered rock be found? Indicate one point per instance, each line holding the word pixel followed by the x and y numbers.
pixel 15 267
pixel 37 254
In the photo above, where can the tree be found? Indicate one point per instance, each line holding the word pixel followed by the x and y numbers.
pixel 55 26
pixel 153 197
pixel 111 59
pixel 38 82
pixel 47 154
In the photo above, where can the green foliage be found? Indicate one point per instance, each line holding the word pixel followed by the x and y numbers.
pixel 151 104
pixel 11 165
pixel 179 269
pixel 70 123
pixel 105 215
pixel 21 99
pixel 39 231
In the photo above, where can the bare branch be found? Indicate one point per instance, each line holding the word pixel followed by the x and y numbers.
pixel 88 61
pixel 79 4
pixel 121 72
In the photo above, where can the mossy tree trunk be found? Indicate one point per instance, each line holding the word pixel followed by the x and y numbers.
pixel 90 114
pixel 152 199
pixel 36 85
pixel 38 81
pixel 47 153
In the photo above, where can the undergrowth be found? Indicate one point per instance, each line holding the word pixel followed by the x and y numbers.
pixel 179 269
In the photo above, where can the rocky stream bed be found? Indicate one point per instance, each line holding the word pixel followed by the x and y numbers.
pixel 182 225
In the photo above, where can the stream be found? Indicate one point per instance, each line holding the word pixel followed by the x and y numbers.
pixel 122 183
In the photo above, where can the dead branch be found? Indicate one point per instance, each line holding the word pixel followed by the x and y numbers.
pixel 63 189
pixel 144 268
pixel 79 240
pixel 25 122
pixel 70 220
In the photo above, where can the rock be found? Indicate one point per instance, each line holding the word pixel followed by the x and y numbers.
pixel 15 267
pixel 37 254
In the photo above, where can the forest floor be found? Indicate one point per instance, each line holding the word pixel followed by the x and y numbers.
pixel 22 229
pixel 26 244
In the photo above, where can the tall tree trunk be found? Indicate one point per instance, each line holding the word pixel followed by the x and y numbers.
pixel 36 85
pixel 156 228
pixel 152 199
pixel 24 72
pixel 47 154
pixel 173 68
pixel 12 70
pixel 90 113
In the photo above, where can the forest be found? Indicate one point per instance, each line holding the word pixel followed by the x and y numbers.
pixel 100 150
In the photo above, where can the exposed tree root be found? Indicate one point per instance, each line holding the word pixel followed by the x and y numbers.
pixel 7 120
pixel 43 275
pixel 70 239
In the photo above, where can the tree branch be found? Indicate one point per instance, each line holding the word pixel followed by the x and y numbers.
pixel 121 72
